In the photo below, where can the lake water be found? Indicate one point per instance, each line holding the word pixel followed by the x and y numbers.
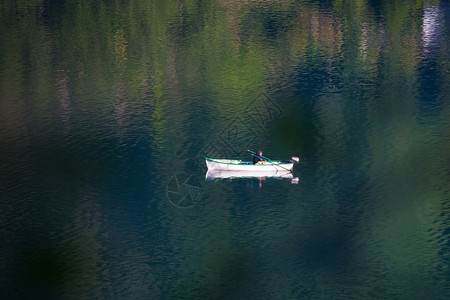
pixel 108 109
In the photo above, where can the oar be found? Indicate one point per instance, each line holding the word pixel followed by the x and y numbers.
pixel 268 159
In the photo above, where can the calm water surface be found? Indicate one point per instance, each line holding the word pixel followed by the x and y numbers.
pixel 107 110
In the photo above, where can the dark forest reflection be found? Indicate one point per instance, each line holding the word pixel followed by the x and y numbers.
pixel 105 104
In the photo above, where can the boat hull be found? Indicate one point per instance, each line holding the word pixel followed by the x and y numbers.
pixel 222 174
pixel 247 166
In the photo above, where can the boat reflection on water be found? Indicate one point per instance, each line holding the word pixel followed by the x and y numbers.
pixel 261 176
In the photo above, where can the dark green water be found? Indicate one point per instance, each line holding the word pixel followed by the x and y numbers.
pixel 108 108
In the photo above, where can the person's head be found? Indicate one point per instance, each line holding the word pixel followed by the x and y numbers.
pixel 260 152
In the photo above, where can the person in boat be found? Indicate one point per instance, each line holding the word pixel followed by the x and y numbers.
pixel 257 158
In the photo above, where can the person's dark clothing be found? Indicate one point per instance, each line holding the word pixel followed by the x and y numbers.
pixel 256 160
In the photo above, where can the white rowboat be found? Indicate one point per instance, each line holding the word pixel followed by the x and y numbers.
pixel 248 166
